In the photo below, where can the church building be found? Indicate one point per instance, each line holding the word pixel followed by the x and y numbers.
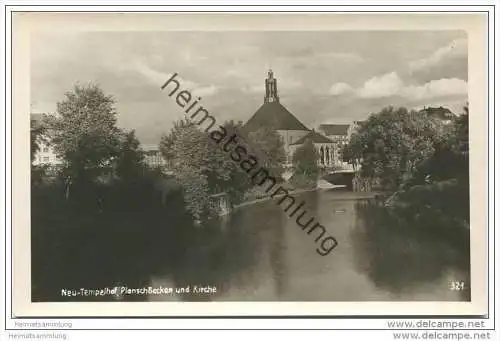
pixel 293 132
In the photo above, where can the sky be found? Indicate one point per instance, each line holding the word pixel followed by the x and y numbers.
pixel 323 76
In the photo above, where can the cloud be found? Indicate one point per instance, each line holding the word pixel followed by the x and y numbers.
pixel 159 78
pixel 338 89
pixel 345 57
pixel 436 88
pixel 205 91
pixel 390 85
pixel 456 49
pixel 383 86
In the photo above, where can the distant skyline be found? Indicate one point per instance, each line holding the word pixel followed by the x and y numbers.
pixel 323 77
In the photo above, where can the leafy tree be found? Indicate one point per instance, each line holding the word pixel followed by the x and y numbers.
pixel 461 130
pixel 129 163
pixel 390 144
pixel 237 182
pixel 436 192
pixel 37 131
pixel 204 168
pixel 305 160
pixel 167 140
pixel 267 145
pixel 199 165
pixel 84 132
pixel 450 159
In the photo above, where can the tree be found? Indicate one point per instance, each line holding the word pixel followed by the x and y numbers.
pixel 305 160
pixel 267 145
pixel 129 163
pixel 37 130
pixel 38 136
pixel 390 145
pixel 461 130
pixel 167 140
pixel 200 166
pixel 84 132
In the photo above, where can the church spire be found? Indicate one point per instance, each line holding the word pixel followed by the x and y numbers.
pixel 271 88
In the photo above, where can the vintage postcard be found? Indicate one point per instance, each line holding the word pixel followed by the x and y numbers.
pixel 231 164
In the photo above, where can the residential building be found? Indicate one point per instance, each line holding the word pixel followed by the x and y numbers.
pixel 441 113
pixel 152 156
pixel 45 154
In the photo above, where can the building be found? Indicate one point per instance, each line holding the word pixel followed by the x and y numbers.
pixel 293 132
pixel 153 156
pixel 443 114
pixel 340 135
pixel 45 154
pixel 336 132
pixel 324 146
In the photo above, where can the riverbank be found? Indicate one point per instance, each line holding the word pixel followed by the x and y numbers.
pixel 268 197
pixel 345 195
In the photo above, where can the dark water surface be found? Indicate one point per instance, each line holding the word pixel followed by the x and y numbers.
pixel 257 253
pixel 262 255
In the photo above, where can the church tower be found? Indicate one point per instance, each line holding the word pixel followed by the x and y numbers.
pixel 271 88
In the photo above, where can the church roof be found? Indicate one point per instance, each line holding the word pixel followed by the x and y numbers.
pixel 275 115
pixel 335 129
pixel 314 137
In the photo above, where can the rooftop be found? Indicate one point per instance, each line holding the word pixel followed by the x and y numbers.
pixel 334 129
pixel 441 113
pixel 150 147
pixel 274 115
pixel 314 137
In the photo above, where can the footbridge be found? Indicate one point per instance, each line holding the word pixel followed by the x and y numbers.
pixel 339 176
pixel 331 176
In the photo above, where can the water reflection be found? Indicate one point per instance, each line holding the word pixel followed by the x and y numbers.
pixel 262 255
pixel 404 259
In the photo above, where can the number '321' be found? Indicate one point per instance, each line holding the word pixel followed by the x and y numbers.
pixel 457 285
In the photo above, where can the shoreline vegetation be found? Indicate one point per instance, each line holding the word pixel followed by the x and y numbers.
pixel 345 195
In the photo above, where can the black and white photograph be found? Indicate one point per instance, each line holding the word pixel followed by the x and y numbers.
pixel 250 165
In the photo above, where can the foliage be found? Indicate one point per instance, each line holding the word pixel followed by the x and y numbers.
pixel 202 167
pixel 450 159
pixel 167 140
pixel 302 181
pixel 37 136
pixel 37 132
pixel 38 174
pixel 187 148
pixel 390 144
pixel 125 230
pixel 84 132
pixel 268 146
pixel 438 188
pixel 129 163
pixel 305 160
pixel 445 201
pixel 238 181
